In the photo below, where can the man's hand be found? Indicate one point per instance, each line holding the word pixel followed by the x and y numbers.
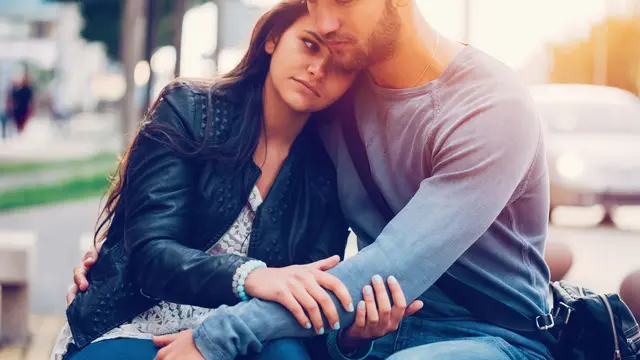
pixel 375 317
pixel 80 273
pixel 177 347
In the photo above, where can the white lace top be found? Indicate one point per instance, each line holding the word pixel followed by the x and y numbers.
pixel 169 318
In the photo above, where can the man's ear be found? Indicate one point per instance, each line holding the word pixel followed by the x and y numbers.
pixel 270 45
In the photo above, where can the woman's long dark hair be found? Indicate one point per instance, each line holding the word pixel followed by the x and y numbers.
pixel 244 83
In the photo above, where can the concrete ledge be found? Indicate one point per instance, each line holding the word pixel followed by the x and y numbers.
pixel 17 267
pixel 17 256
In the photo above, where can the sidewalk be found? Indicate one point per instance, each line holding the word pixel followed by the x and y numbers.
pixel 84 135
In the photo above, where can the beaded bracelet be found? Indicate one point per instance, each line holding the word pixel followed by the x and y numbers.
pixel 241 275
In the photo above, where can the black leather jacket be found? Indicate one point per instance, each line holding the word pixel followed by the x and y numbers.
pixel 174 208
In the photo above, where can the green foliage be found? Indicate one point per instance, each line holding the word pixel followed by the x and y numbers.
pixel 573 62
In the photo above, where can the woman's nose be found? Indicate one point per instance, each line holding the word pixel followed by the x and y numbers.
pixel 317 70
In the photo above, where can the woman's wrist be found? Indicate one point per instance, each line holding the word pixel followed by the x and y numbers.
pixel 240 277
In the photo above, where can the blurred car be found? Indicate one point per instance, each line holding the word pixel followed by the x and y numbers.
pixel 593 144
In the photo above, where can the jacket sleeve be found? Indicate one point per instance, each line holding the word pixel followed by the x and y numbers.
pixel 157 201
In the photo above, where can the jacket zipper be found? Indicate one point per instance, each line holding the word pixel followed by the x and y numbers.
pixel 616 354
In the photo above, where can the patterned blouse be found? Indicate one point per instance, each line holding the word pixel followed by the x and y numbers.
pixel 169 318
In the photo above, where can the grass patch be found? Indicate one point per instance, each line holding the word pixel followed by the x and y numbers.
pixel 70 189
pixel 24 167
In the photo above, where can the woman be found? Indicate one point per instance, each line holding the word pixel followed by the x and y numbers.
pixel 219 176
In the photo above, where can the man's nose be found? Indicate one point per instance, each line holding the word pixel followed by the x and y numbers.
pixel 326 22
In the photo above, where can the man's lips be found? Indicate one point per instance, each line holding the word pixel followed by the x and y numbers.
pixel 308 86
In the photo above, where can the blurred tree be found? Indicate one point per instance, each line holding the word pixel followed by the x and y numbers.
pixel 103 20
pixel 574 62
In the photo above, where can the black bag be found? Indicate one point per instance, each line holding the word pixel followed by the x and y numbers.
pixel 582 325
pixel 592 326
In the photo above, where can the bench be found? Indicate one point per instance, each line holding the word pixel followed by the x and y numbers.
pixel 17 262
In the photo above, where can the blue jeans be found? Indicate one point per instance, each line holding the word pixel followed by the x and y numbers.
pixel 136 349
pixel 116 349
pixel 427 339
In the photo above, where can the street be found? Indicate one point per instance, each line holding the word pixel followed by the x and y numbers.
pixel 602 256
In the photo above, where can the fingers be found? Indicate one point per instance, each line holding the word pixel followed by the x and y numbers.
pixel 91 254
pixel 162 341
pixel 399 302
pixel 163 354
pixel 326 304
pixel 413 308
pixel 80 277
pixel 382 299
pixel 326 264
pixel 88 262
pixel 361 316
pixel 370 305
pixel 336 286
pixel 295 301
pixel 71 294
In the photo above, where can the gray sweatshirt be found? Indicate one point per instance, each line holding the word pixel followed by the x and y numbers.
pixel 461 161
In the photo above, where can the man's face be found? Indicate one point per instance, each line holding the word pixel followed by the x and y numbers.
pixel 359 33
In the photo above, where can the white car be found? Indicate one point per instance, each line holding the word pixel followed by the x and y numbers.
pixel 592 136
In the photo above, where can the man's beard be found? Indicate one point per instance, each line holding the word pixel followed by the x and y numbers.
pixel 380 45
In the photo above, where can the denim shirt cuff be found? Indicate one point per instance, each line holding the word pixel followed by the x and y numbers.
pixel 206 347
pixel 336 353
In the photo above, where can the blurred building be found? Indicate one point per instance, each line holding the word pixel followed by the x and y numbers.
pixel 47 36
pixel 230 22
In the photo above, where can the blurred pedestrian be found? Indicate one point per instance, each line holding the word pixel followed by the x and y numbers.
pixel 20 102
pixel 4 121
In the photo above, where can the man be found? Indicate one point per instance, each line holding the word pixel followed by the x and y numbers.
pixel 454 144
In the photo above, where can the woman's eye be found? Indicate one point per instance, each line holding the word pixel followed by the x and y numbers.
pixel 310 45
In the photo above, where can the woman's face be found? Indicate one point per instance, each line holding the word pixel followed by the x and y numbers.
pixel 302 70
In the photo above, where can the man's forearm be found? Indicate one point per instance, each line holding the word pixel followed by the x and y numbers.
pixel 238 330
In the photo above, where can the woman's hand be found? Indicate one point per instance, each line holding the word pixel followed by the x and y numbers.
pixel 300 288
pixel 373 321
pixel 80 273
pixel 177 347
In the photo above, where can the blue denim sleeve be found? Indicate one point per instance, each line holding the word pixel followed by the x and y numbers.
pixel 480 164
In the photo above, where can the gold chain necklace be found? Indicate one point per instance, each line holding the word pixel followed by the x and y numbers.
pixel 433 55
